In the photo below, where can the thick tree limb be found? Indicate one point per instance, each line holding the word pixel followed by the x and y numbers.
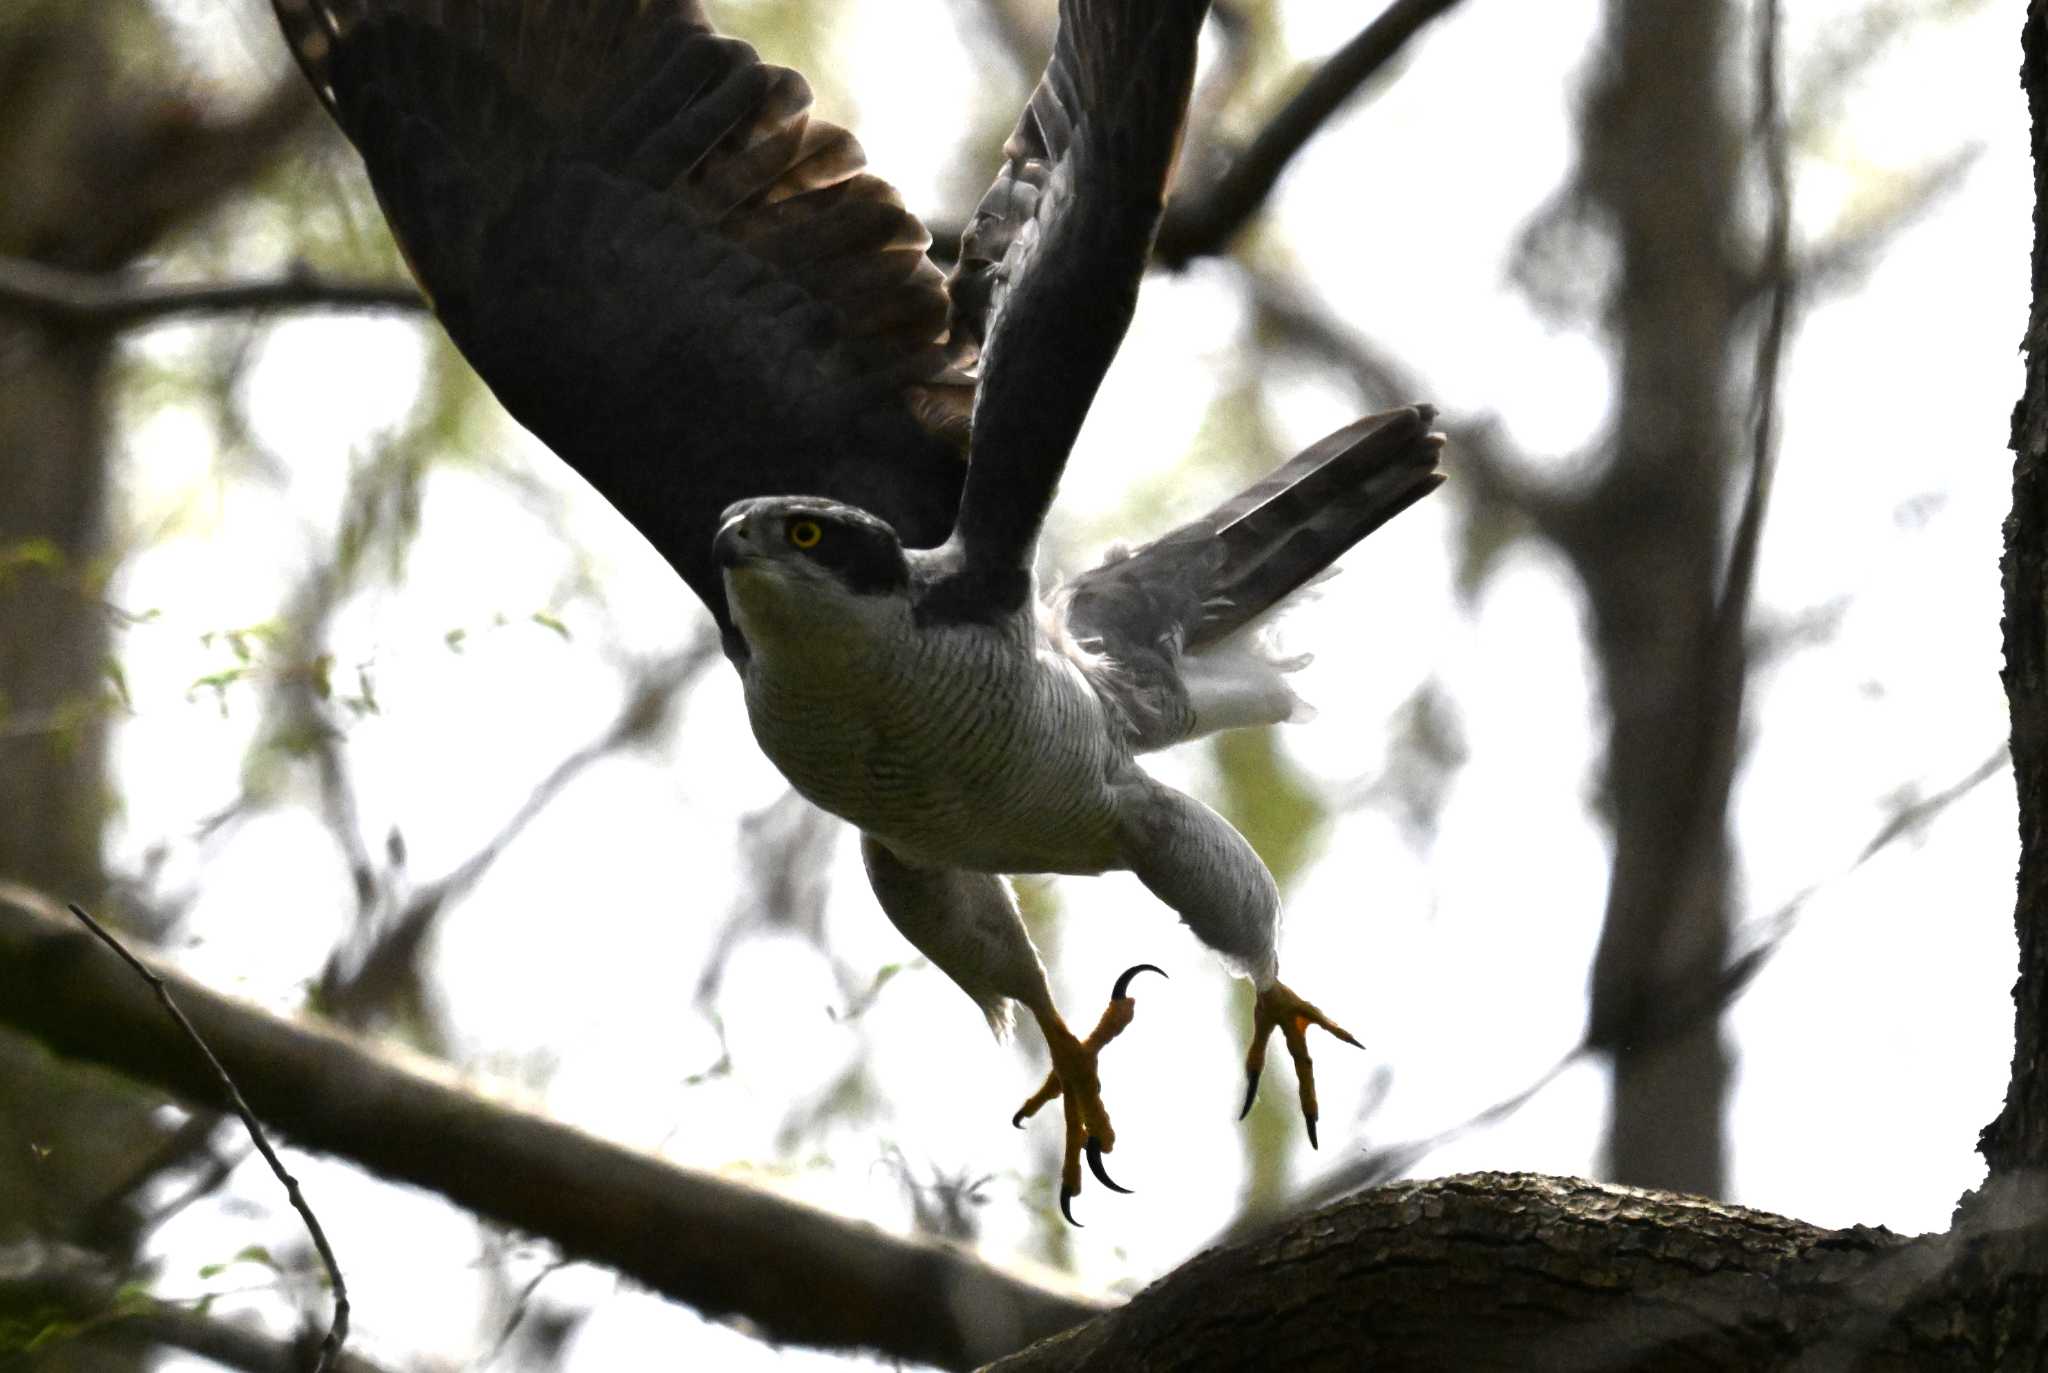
pixel 85 299
pixel 799 1274
pixel 1515 1271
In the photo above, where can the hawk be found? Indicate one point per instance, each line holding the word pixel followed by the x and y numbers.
pixel 693 292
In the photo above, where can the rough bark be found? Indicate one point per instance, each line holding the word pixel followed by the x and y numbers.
pixel 1515 1271
pixel 2003 1284
pixel 2018 1139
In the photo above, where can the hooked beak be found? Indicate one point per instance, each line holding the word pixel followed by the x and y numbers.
pixel 734 543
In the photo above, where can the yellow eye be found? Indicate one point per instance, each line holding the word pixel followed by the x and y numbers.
pixel 805 533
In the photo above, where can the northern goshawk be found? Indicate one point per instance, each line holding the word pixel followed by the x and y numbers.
pixel 691 291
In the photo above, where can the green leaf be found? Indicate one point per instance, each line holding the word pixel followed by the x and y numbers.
pixel 217 682
pixel 547 621
pixel 32 552
pixel 117 678
pixel 256 1253
pixel 51 1333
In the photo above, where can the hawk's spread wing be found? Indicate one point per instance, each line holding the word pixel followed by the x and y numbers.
pixel 659 262
pixel 1049 269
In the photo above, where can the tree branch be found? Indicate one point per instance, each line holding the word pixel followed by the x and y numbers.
pixel 1201 219
pixel 337 1328
pixel 86 299
pixel 1201 224
pixel 388 971
pixel 1495 1271
pixel 799 1274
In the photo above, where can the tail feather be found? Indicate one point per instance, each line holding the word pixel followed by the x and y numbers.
pixel 1285 530
pixel 1164 615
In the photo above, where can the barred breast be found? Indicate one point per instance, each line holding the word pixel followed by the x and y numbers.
pixel 962 746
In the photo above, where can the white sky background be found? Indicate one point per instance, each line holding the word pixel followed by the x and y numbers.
pixel 1869 1053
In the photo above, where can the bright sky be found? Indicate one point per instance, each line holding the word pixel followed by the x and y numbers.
pixel 1869 1053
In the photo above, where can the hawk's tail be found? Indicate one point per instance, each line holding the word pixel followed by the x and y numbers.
pixel 1279 534
pixel 1162 617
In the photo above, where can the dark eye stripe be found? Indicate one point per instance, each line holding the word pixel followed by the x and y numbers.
pixel 867 560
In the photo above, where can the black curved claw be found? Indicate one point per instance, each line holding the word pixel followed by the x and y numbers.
pixel 1251 1092
pixel 1094 1152
pixel 1017 1121
pixel 1312 1132
pixel 1122 988
pixel 1067 1208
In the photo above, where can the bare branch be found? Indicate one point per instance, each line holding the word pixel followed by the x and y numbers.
pixel 1733 612
pixel 1202 224
pixel 393 959
pixel 337 1327
pixel 87 300
pixel 800 1274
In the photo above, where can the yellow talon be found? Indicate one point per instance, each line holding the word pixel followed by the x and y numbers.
pixel 1277 1005
pixel 1074 1079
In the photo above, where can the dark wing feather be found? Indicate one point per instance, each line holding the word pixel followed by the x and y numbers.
pixel 659 262
pixel 1051 263
pixel 1200 583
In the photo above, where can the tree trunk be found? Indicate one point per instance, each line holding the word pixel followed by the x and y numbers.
pixel 92 177
pixel 66 1140
pixel 1659 168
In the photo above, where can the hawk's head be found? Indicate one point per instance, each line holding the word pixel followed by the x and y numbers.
pixel 800 566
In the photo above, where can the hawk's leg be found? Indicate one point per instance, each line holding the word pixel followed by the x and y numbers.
pixel 967 924
pixel 1075 1080
pixel 1193 860
pixel 1277 1005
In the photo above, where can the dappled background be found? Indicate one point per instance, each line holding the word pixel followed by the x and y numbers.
pixel 1654 824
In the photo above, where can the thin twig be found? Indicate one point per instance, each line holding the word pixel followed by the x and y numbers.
pixel 520 1305
pixel 391 961
pixel 337 1328
pixel 1770 344
pixel 114 302
pixel 1202 224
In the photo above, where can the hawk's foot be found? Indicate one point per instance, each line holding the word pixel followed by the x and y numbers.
pixel 1277 1005
pixel 1075 1081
